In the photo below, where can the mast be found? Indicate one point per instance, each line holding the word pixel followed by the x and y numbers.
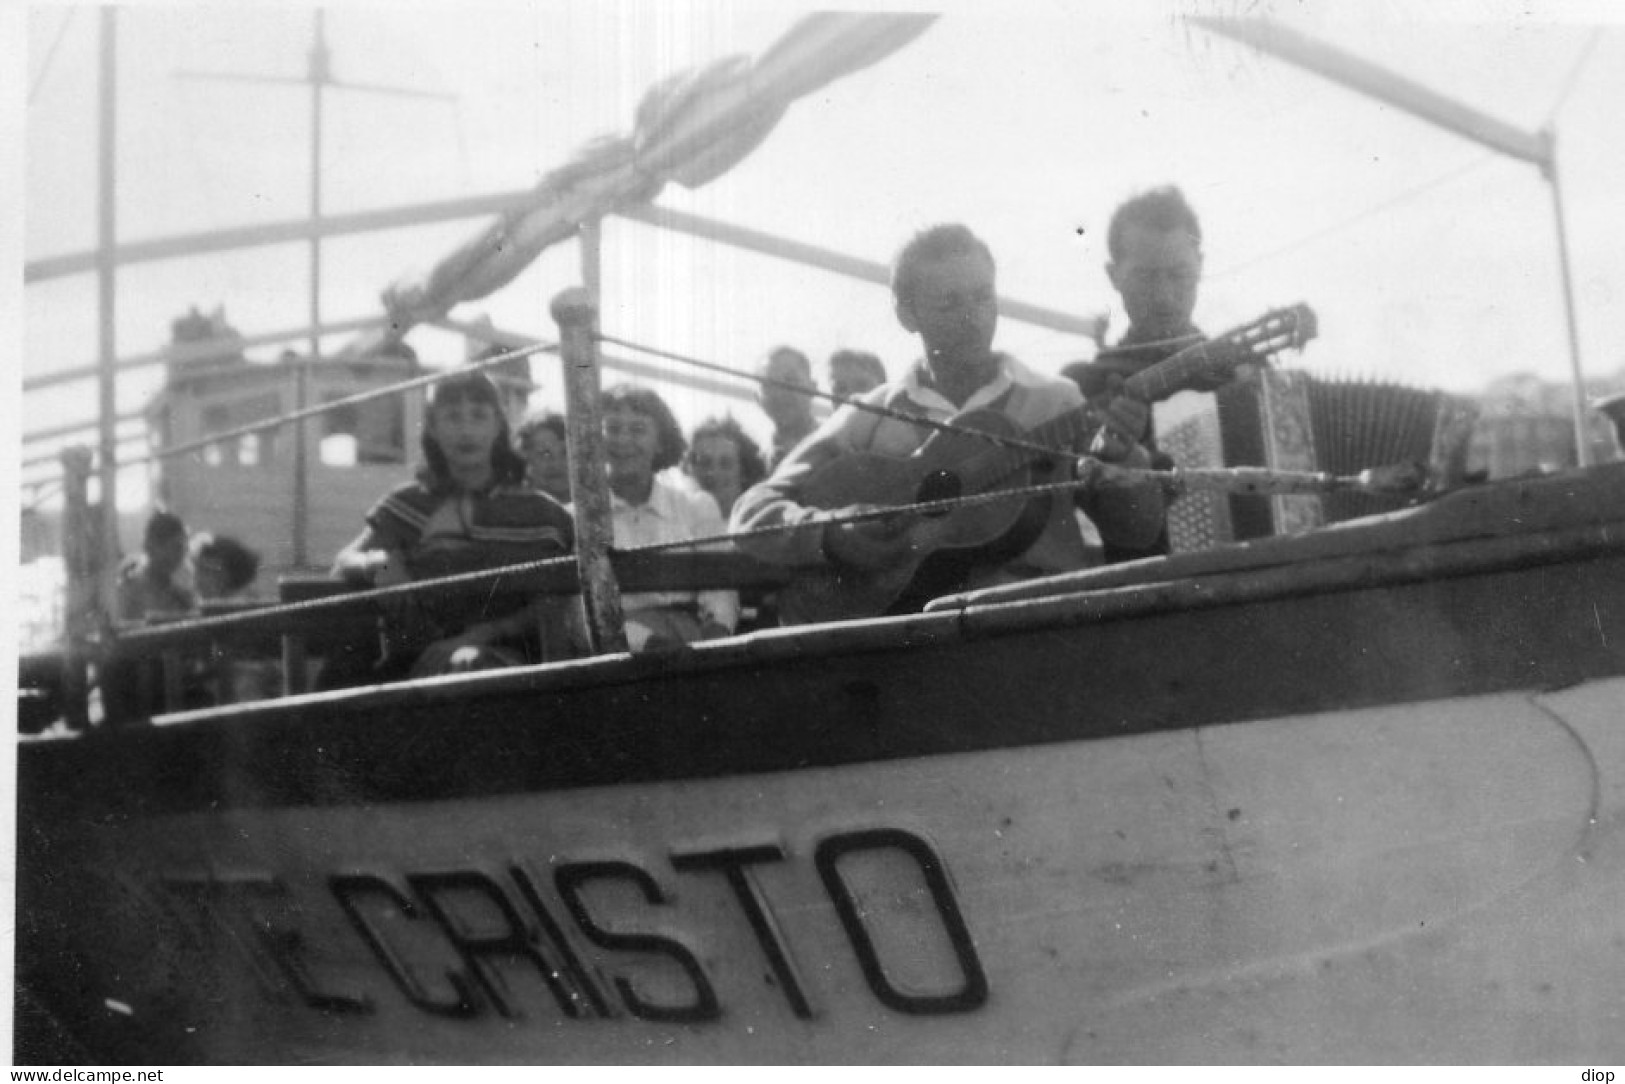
pixel 1548 169
pixel 318 77
pixel 301 381
pixel 107 233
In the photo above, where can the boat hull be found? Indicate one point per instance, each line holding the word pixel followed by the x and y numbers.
pixel 1417 883
pixel 1327 812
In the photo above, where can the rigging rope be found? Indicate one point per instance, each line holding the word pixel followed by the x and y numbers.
pixel 1573 78
pixel 1404 478
pixel 50 56
pixel 1345 223
pixel 337 404
pixel 1014 443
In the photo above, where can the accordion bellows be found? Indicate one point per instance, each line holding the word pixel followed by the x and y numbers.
pixel 1354 423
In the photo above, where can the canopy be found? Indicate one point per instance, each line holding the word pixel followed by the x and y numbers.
pixel 691 128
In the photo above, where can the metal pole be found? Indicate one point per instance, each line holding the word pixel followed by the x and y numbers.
pixel 301 382
pixel 83 564
pixel 1582 439
pixel 577 315
pixel 107 378
pixel 592 257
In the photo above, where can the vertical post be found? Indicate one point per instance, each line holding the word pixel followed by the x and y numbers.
pixel 301 380
pixel 79 554
pixel 1289 444
pixel 1582 435
pixel 576 313
pixel 592 256
pixel 107 238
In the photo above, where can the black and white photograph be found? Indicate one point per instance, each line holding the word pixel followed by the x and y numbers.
pixel 725 533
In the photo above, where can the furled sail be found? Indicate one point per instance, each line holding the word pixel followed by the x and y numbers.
pixel 691 128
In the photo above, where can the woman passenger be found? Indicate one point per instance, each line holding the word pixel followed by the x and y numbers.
pixel 222 567
pixel 641 439
pixel 724 461
pixel 468 509
pixel 541 442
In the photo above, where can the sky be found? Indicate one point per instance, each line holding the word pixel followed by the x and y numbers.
pixel 1428 258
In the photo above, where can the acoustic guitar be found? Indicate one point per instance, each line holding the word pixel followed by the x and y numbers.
pixel 947 546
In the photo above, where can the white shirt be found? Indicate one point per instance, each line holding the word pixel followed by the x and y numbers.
pixel 673 514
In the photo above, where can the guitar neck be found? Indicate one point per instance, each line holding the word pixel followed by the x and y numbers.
pixel 1278 330
pixel 1256 341
pixel 1162 380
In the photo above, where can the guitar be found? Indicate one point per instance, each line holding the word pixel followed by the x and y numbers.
pixel 947 546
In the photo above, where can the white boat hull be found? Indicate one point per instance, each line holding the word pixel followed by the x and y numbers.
pixel 1426 882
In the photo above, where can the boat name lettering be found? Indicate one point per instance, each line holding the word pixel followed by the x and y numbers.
pixel 447 938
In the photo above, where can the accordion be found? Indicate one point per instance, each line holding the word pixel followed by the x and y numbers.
pixel 1291 420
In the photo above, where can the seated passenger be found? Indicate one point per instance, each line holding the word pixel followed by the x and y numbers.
pixel 790 410
pixel 542 442
pixel 224 569
pixel 853 372
pixel 152 585
pixel 221 565
pixel 154 581
pixel 468 509
pixel 642 438
pixel 858 461
pixel 724 461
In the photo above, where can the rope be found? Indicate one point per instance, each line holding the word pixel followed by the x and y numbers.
pixel 345 601
pixel 42 492
pixel 1573 78
pixel 50 55
pixel 1345 223
pixel 1250 481
pixel 1014 443
pixel 337 404
pixel 1091 473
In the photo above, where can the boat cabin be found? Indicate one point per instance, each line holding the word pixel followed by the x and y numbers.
pixel 246 486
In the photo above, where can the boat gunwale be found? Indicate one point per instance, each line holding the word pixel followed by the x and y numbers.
pixel 975 617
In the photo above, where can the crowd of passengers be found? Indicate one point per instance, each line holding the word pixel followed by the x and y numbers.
pixel 494 484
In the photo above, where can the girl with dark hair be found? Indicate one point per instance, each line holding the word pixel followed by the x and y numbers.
pixel 468 509
pixel 641 439
pixel 221 565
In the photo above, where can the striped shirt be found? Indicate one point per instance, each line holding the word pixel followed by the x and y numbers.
pixel 498 525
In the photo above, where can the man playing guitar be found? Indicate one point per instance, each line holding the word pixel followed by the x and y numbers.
pixel 943 291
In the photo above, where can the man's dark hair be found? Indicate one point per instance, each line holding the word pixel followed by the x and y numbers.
pixel 507 465
pixel 163 526
pixel 752 467
pixel 938 242
pixel 670 445
pixel 1160 210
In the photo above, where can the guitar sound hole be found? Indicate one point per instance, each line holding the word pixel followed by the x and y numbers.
pixel 939 485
